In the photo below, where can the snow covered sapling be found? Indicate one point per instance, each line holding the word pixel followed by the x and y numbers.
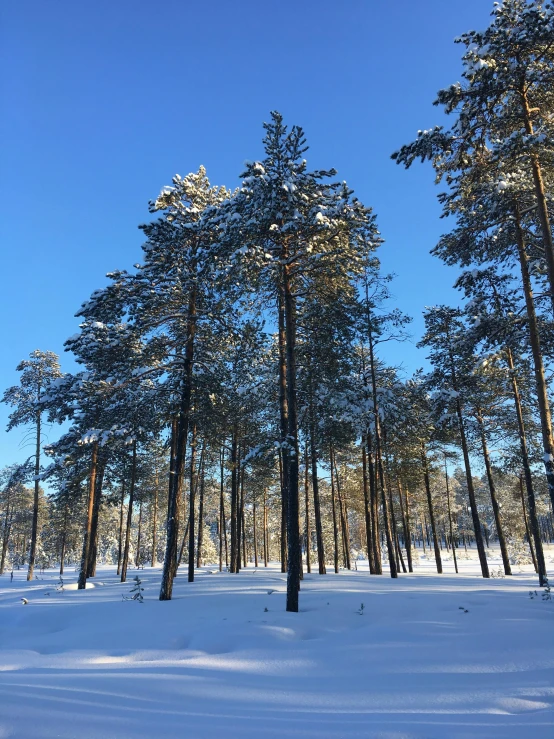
pixel 546 593
pixel 136 591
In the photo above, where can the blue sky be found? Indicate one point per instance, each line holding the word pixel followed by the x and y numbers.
pixel 105 101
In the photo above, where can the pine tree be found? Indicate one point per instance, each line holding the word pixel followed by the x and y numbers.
pixel 37 373
pixel 284 222
pixel 444 330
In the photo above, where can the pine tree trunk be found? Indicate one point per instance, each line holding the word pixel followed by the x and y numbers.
pixel 183 544
pixel 266 542
pixel 540 196
pixel 467 465
pixel 425 466
pixel 255 534
pixel 307 509
pixel 367 512
pixel 180 450
pixel 34 530
pixel 139 533
pixel 380 471
pixel 317 506
pixel 345 534
pixel 93 551
pixel 293 529
pixel 6 532
pixel 125 563
pixel 494 500
pixel 283 420
pixel 200 513
pixel 386 518
pixel 155 520
pixel 540 379
pixel 222 522
pixel 374 507
pixel 192 503
pixel 526 522
pixel 235 554
pixel 450 517
pixel 405 526
pixel 399 558
pixel 120 539
pixel 88 526
pixel 471 491
pixel 242 517
pixel 64 537
pixel 334 512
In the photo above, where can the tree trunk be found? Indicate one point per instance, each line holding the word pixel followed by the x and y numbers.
pixel 334 511
pixel 129 513
pixel 293 529
pixel 494 500
pixel 284 453
pixel 192 502
pixel 222 522
pixel 235 554
pixel 405 525
pixel 467 465
pixel 307 508
pixel 255 534
pixel 155 520
pixel 178 466
pixel 471 491
pixel 425 466
pixel 93 551
pixel 398 550
pixel 266 542
pixel 345 534
pixel 242 517
pixel 183 542
pixel 524 459
pixel 367 512
pixel 540 379
pixel 200 512
pixel 540 196
pixel 374 507
pixel 120 539
pixel 88 526
pixel 139 532
pixel 64 537
pixel 6 532
pixel 381 476
pixel 34 530
pixel 317 506
pixel 450 517
pixel 529 539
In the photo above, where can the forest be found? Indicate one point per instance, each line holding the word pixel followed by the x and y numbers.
pixel 233 404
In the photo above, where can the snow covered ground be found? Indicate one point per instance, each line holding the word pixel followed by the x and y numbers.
pixel 432 657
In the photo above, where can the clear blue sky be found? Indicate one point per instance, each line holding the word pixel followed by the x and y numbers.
pixel 104 101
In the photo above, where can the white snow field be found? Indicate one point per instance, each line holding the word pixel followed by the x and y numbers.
pixel 432 657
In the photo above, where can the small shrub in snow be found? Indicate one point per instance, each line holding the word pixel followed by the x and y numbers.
pixel 136 591
pixel 546 593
